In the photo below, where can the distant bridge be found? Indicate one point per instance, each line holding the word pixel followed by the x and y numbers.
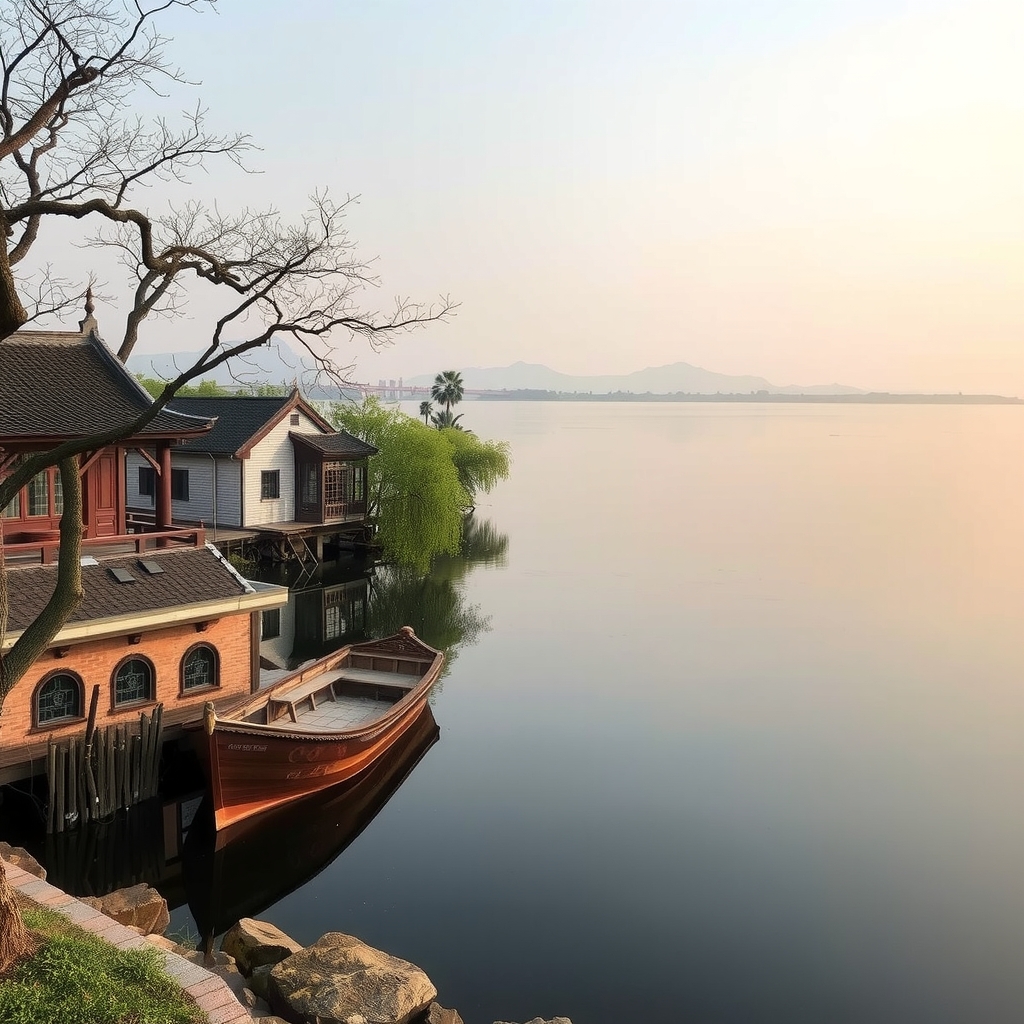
pixel 397 391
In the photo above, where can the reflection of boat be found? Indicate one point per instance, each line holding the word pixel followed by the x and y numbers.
pixel 317 727
pixel 241 871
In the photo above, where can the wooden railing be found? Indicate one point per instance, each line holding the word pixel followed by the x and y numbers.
pixel 46 548
pixel 344 510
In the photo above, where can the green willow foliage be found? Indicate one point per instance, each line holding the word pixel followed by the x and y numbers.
pixel 423 481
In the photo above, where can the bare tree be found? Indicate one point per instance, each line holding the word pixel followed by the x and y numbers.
pixel 71 150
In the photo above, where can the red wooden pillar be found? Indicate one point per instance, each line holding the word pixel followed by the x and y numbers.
pixel 163 487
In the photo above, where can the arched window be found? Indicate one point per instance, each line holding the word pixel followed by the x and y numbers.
pixel 58 698
pixel 199 668
pixel 133 680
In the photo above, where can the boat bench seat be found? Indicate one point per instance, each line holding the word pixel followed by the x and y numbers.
pixel 369 675
pixel 309 690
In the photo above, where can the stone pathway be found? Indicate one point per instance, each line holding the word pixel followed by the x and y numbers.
pixel 210 991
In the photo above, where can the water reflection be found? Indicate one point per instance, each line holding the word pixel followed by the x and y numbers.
pixel 344 603
pixel 231 875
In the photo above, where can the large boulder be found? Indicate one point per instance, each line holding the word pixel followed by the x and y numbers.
pixel 139 906
pixel 256 943
pixel 23 859
pixel 340 980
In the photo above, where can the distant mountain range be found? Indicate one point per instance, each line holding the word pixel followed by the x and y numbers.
pixel 665 380
pixel 279 365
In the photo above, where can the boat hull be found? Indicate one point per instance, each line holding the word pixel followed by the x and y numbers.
pixel 253 767
pixel 253 773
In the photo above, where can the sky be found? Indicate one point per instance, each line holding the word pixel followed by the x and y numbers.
pixel 809 192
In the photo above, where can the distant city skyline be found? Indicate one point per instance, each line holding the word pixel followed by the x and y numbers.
pixel 806 193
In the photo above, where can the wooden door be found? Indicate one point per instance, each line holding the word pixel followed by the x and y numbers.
pixel 101 497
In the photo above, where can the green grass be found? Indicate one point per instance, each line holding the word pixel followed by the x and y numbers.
pixel 76 978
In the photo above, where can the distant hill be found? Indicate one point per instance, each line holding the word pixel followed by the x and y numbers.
pixel 276 364
pixel 675 377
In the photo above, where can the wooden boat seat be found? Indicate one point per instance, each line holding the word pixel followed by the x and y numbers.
pixel 370 675
pixel 323 688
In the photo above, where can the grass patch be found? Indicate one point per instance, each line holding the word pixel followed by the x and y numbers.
pixel 76 978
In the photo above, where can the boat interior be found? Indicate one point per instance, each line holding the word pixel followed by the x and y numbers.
pixel 355 691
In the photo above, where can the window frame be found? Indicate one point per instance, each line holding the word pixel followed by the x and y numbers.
pixel 270 481
pixel 58 723
pixel 275 614
pixel 179 484
pixel 147 482
pixel 186 691
pixel 115 704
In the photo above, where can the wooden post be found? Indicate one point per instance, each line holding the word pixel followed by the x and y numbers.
pixel 164 507
pixel 51 779
pixel 90 775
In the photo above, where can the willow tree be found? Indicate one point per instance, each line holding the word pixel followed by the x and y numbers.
pixel 414 496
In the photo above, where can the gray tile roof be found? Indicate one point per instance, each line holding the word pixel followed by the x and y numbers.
pixel 56 384
pixel 340 444
pixel 239 417
pixel 190 575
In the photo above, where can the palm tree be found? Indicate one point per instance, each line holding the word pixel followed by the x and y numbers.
pixel 448 389
pixel 425 410
pixel 444 418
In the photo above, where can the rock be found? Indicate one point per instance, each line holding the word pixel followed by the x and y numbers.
pixel 162 942
pixel 22 859
pixel 340 980
pixel 437 1014
pixel 213 961
pixel 540 1020
pixel 138 906
pixel 248 998
pixel 256 943
pixel 259 980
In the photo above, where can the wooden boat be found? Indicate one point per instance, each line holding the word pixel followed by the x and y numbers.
pixel 317 727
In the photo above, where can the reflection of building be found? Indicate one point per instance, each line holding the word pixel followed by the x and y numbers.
pixel 318 619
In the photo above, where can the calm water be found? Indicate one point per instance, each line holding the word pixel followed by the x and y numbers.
pixel 741 735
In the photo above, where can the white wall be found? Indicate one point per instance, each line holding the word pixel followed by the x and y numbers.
pixel 275 451
pixel 200 489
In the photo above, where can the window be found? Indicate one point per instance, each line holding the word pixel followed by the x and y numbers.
pixel 359 486
pixel 58 494
pixel 39 495
pixel 59 698
pixel 271 624
pixel 294 421
pixel 13 510
pixel 147 481
pixel 179 484
pixel 199 668
pixel 133 681
pixel 270 484
pixel 310 472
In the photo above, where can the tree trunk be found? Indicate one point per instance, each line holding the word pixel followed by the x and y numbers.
pixel 14 943
pixel 67 593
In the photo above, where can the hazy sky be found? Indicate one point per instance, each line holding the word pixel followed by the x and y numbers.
pixel 811 192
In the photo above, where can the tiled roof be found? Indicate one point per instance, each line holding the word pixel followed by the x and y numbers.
pixel 340 444
pixel 190 576
pixel 239 417
pixel 57 384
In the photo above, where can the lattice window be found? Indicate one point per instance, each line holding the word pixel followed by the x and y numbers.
pixel 133 681
pixel 39 495
pixel 199 668
pixel 60 697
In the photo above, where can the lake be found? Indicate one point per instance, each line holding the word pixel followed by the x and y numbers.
pixel 735 730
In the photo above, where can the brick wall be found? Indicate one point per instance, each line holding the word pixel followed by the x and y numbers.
pixel 95 662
